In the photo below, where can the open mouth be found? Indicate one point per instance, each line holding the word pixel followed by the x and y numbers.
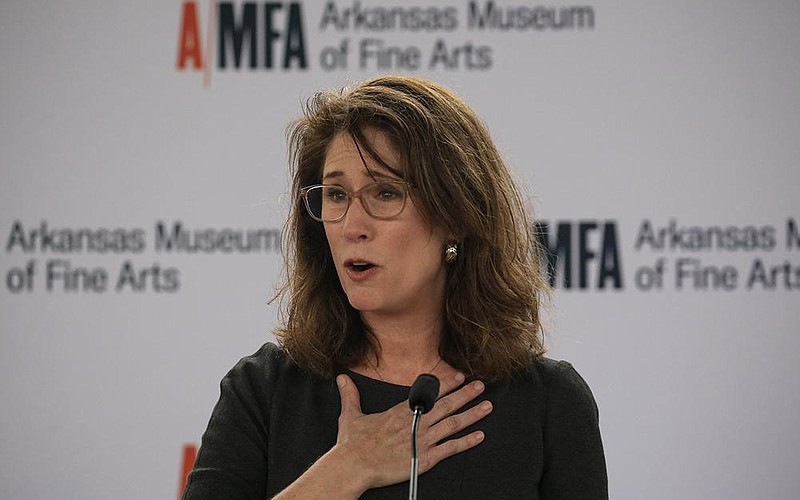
pixel 361 266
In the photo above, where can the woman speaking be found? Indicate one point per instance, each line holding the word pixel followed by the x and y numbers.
pixel 408 251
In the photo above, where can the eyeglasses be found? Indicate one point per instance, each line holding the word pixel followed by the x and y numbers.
pixel 382 200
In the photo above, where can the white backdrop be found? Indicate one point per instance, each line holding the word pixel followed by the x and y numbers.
pixel 636 118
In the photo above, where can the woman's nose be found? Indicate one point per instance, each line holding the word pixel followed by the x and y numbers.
pixel 357 223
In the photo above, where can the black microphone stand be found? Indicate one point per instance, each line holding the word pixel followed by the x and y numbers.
pixel 412 489
pixel 421 399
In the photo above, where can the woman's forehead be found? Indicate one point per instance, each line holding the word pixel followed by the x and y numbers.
pixel 347 158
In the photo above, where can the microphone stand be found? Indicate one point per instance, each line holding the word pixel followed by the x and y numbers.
pixel 412 489
pixel 421 398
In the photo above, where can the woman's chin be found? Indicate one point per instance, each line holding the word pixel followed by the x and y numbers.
pixel 367 302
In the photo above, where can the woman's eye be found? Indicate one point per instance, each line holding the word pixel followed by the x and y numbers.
pixel 336 195
pixel 387 193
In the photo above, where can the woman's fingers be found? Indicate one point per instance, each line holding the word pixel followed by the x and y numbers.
pixel 449 417
pixel 454 401
pixel 448 384
pixel 348 393
pixel 449 448
pixel 446 419
pixel 457 422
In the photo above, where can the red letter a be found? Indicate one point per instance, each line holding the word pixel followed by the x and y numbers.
pixel 189 41
pixel 189 456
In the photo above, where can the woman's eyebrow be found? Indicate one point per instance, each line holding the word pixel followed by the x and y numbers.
pixel 335 174
pixel 382 175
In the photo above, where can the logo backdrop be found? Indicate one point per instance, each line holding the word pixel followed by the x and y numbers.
pixel 144 188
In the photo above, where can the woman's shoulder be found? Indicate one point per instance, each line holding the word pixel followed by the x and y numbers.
pixel 560 382
pixel 269 364
pixel 268 356
pixel 553 368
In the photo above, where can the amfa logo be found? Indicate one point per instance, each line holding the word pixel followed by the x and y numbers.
pixel 271 34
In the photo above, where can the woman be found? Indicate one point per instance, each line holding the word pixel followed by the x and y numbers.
pixel 408 252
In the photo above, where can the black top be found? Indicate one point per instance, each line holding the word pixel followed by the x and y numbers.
pixel 273 420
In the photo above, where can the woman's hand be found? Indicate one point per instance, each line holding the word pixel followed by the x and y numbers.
pixel 380 443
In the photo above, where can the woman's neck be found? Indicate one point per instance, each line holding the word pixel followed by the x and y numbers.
pixel 405 349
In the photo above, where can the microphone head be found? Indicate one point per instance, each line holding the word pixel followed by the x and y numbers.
pixel 423 393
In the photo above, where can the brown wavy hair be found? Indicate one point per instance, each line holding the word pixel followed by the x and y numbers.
pixel 494 291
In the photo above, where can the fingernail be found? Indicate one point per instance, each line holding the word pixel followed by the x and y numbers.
pixel 459 377
pixel 340 381
pixel 479 436
pixel 477 385
pixel 486 406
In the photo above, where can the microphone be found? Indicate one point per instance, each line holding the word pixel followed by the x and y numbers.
pixel 421 398
pixel 423 393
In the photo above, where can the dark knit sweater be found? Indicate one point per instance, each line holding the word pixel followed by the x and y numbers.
pixel 273 420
